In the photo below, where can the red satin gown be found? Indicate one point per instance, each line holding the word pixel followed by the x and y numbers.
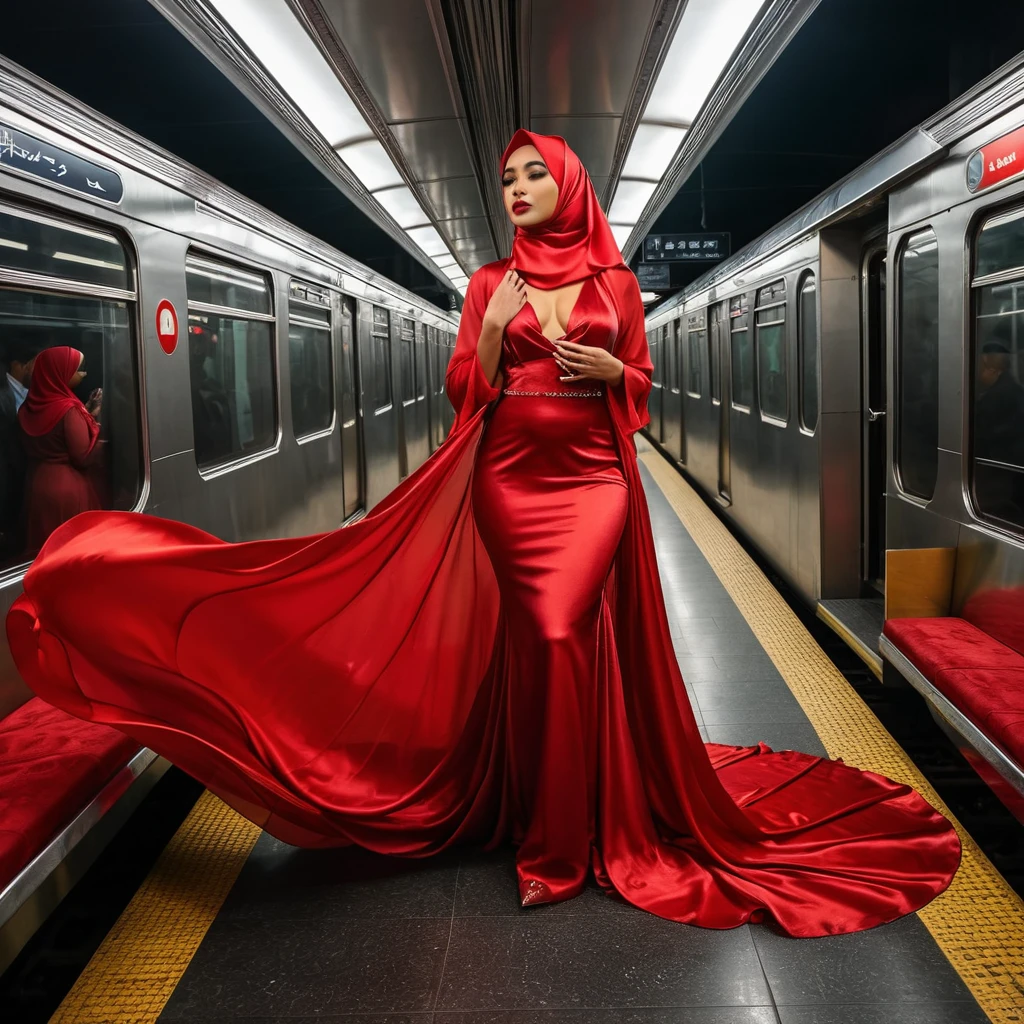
pixel 485 657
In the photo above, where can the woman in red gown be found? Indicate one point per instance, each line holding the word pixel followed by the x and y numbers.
pixel 62 441
pixel 485 657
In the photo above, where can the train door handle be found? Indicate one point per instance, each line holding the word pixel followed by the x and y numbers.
pixel 874 417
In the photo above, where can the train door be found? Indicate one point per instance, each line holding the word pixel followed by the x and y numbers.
pixel 417 426
pixel 655 402
pixel 873 399
pixel 718 339
pixel 351 444
pixel 671 396
pixel 380 426
pixel 407 392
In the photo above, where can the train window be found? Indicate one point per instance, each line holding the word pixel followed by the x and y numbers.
pixel 381 376
pixel 742 361
pixel 998 359
pixel 807 331
pixel 62 285
pixel 40 245
pixel 231 361
pixel 408 341
pixel 917 365
pixel 421 365
pixel 715 354
pixel 772 385
pixel 310 359
pixel 696 342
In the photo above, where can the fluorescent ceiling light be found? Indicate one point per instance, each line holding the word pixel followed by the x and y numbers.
pixel 8 244
pixel 402 205
pixel 368 160
pixel 429 240
pixel 705 40
pixel 646 297
pixel 630 199
pixel 651 152
pixel 621 233
pixel 284 48
pixel 445 262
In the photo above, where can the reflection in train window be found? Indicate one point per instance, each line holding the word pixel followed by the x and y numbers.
pixel 772 385
pixel 406 348
pixel 380 372
pixel 310 361
pixel 998 359
pixel 917 365
pixel 47 478
pixel 231 361
pixel 742 358
pixel 696 342
pixel 807 328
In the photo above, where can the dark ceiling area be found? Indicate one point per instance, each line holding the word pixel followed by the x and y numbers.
pixel 124 59
pixel 858 75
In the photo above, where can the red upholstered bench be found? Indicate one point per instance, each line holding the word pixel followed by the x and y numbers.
pixel 59 778
pixel 971 670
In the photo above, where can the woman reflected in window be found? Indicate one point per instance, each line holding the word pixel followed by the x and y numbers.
pixel 61 436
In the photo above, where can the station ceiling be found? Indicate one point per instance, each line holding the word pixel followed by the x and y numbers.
pixel 407 104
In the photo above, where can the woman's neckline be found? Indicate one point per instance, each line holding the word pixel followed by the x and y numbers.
pixel 569 319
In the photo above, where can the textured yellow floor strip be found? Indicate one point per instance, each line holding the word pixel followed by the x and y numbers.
pixel 979 921
pixel 133 973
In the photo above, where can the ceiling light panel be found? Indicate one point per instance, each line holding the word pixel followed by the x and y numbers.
pixel 652 150
pixel 621 233
pixel 277 40
pixel 403 206
pixel 429 240
pixel 368 160
pixel 705 40
pixel 630 199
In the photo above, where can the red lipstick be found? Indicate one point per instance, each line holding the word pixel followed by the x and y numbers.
pixel 520 207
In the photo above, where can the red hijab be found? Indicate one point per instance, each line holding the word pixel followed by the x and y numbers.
pixel 49 397
pixel 576 242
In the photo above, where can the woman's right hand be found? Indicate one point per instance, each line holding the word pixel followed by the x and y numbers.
pixel 507 300
pixel 95 403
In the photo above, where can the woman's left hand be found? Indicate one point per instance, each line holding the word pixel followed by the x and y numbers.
pixel 583 362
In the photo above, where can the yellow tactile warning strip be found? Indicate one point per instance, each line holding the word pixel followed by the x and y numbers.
pixel 979 921
pixel 133 973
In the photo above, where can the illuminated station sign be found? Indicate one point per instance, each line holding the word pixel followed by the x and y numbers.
pixel 696 248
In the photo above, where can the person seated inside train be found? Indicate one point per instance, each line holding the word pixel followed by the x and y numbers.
pixel 66 472
pixel 211 408
pixel 18 352
pixel 999 432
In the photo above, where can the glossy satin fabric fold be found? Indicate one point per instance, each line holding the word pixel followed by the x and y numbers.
pixel 484 657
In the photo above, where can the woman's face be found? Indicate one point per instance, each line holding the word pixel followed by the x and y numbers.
pixel 529 190
pixel 78 376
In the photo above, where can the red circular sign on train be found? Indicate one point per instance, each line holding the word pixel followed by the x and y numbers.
pixel 167 326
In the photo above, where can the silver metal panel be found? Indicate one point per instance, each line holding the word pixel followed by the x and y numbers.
pixel 585 61
pixel 593 139
pixel 454 197
pixel 434 149
pixel 466 227
pixel 391 44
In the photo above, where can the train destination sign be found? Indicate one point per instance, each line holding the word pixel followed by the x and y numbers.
pixel 22 152
pixel 697 248
pixel 998 161
pixel 652 277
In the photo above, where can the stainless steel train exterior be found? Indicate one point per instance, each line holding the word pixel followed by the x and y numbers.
pixel 829 386
pixel 215 257
pixel 783 377
pixel 295 391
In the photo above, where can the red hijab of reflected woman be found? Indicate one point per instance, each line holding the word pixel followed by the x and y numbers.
pixel 49 396
pixel 576 243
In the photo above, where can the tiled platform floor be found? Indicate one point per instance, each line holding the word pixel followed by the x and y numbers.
pixel 343 936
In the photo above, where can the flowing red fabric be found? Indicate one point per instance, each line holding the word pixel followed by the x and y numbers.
pixel 576 242
pixel 49 397
pixel 486 657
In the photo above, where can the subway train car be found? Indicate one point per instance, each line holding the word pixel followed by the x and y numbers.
pixel 256 383
pixel 848 391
